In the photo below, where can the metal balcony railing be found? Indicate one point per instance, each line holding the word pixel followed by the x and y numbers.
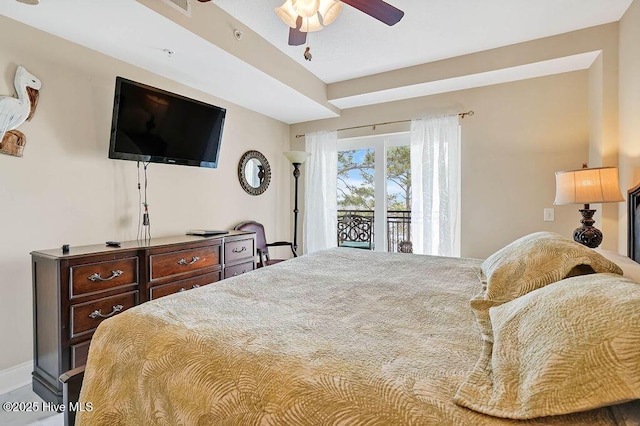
pixel 398 227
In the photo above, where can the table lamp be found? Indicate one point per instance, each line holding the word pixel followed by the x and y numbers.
pixel 588 186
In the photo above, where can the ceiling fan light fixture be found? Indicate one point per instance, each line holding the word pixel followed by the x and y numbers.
pixel 329 10
pixel 303 16
pixel 306 8
pixel 287 14
pixel 310 25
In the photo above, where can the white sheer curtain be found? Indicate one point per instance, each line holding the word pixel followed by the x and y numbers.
pixel 321 205
pixel 435 185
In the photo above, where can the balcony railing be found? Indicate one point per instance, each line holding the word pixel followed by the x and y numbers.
pixel 398 227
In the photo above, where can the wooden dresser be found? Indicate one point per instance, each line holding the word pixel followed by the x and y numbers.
pixel 76 291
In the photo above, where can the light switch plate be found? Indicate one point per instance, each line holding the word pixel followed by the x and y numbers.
pixel 549 215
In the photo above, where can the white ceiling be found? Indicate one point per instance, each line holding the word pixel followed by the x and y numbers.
pixel 355 45
pixel 522 72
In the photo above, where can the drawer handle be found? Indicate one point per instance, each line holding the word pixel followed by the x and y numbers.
pixel 97 277
pixel 98 312
pixel 184 289
pixel 194 259
pixel 239 273
pixel 235 250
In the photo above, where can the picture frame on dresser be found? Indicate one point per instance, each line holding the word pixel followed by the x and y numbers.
pixel 74 291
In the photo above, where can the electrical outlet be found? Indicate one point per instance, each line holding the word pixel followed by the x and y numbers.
pixel 549 215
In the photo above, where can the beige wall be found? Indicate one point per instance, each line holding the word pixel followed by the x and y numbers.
pixel 66 190
pixel 603 126
pixel 521 133
pixel 629 110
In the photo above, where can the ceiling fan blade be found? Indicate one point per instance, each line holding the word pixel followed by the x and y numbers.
pixel 378 9
pixel 297 37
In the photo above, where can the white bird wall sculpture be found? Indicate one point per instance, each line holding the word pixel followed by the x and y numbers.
pixel 15 111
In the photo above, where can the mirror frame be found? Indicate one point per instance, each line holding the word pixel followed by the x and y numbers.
pixel 264 184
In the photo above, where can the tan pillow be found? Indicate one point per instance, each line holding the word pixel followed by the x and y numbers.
pixel 529 263
pixel 571 346
pixel 536 260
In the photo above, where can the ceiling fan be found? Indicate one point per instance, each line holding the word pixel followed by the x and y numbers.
pixel 303 16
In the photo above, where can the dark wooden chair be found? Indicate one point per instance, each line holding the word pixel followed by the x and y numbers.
pixel 355 231
pixel 262 247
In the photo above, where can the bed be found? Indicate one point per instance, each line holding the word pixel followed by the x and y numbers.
pixel 354 337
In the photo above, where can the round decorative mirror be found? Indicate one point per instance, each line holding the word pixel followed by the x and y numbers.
pixel 254 172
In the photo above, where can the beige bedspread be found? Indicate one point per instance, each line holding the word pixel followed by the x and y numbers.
pixel 341 337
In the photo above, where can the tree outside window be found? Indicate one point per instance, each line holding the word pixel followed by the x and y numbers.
pixel 356 179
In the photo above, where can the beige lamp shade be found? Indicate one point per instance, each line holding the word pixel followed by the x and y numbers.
pixel 287 14
pixel 329 10
pixel 588 186
pixel 306 8
pixel 297 157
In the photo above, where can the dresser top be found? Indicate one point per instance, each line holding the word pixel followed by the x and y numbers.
pixel 75 251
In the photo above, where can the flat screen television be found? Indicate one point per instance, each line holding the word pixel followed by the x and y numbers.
pixel 153 125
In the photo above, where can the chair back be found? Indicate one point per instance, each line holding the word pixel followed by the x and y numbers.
pixel 355 231
pixel 251 226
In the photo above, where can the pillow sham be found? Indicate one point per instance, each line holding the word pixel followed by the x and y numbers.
pixel 536 260
pixel 567 347
pixel 529 263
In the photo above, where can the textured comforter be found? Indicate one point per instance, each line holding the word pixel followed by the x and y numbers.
pixel 341 337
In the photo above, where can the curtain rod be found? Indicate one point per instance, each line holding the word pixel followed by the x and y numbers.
pixel 461 115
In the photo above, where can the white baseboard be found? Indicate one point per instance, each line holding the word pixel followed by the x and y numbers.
pixel 15 377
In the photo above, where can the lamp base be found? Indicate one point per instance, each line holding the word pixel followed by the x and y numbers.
pixel 587 234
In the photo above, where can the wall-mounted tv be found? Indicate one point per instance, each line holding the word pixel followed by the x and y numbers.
pixel 153 125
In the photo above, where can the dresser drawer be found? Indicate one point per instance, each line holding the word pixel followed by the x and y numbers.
pixel 237 250
pixel 85 317
pixel 232 271
pixel 100 276
pixel 79 354
pixel 183 261
pixel 164 290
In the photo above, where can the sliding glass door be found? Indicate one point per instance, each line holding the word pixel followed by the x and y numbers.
pixel 374 192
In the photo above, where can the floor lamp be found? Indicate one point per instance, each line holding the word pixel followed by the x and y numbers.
pixel 296 158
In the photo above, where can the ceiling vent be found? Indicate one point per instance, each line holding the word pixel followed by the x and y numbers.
pixel 183 6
